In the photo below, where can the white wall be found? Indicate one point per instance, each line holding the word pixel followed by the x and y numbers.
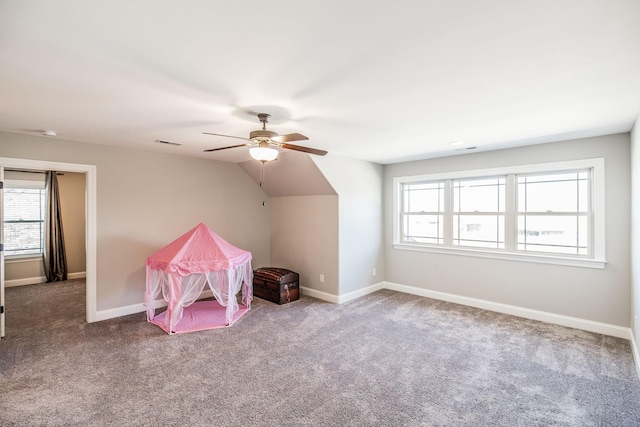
pixel 304 238
pixel 359 187
pixel 585 293
pixel 145 200
pixel 635 236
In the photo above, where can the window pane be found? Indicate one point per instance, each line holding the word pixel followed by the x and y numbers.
pixel 552 233
pixel 23 238
pixel 486 231
pixel 479 195
pixel 565 192
pixel 423 197
pixel 23 204
pixel 423 229
pixel 24 220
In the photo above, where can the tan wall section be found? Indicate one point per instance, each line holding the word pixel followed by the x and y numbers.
pixel 23 271
pixel 72 200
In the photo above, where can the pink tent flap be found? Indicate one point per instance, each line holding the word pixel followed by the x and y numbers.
pixel 182 270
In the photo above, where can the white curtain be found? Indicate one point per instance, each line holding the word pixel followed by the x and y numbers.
pixel 182 291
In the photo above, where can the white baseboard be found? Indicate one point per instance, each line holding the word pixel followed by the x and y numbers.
pixel 111 313
pixel 24 281
pixel 341 299
pixel 636 354
pixel 324 296
pixel 40 279
pixel 543 316
pixel 360 293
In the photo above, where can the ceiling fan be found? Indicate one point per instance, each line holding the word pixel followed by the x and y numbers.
pixel 264 142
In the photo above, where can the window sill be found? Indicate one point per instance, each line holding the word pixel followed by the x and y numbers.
pixel 509 256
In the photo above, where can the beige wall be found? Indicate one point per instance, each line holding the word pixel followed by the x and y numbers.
pixel 23 271
pixel 585 293
pixel 72 202
pixel 72 198
pixel 145 200
pixel 304 238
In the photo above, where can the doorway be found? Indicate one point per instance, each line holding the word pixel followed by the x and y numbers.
pixel 89 173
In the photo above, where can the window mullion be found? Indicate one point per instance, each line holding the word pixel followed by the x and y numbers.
pixel 510 220
pixel 448 213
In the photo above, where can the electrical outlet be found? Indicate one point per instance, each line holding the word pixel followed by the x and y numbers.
pixel 374 272
pixel 322 278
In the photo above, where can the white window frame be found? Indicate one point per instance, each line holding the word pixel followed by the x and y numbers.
pixel 596 259
pixel 29 184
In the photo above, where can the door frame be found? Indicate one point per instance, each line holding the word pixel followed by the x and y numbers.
pixel 2 304
pixel 90 172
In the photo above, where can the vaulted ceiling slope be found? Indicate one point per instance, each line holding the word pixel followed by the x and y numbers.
pixel 382 81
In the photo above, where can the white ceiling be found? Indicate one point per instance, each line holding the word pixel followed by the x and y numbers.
pixel 383 81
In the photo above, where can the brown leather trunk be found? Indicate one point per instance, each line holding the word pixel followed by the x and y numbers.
pixel 275 284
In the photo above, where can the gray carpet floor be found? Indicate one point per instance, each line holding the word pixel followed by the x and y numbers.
pixel 386 359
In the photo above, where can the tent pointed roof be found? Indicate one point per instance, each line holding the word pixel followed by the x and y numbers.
pixel 197 251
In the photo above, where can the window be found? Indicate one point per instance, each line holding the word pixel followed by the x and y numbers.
pixel 554 212
pixel 423 212
pixel 542 213
pixel 479 212
pixel 24 210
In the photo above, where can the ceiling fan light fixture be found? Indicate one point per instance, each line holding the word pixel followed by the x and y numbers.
pixel 264 154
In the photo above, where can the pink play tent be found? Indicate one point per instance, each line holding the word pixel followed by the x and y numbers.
pixel 181 270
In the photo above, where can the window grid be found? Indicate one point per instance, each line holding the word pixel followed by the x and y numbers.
pixel 511 221
pixel 581 213
pixel 420 225
pixel 482 239
pixel 24 221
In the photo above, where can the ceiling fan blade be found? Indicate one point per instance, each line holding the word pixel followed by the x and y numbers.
pixel 224 148
pixel 289 137
pixel 226 136
pixel 304 149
